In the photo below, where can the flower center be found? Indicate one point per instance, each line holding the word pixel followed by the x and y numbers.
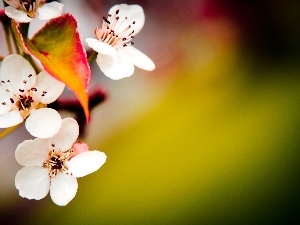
pixel 117 32
pixel 30 6
pixel 55 163
pixel 56 160
pixel 22 99
pixel 24 102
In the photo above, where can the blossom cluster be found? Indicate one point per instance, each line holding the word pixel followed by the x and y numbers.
pixel 54 159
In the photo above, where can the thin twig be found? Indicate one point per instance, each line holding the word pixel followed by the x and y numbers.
pixel 7 131
pixel 92 57
pixel 8 39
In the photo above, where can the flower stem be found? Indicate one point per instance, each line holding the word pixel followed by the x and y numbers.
pixel 33 63
pixel 8 39
pixel 92 56
pixel 7 131
pixel 16 45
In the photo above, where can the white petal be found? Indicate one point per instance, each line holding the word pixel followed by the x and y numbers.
pixel 138 58
pixel 4 109
pixel 32 152
pixel 5 104
pixel 17 73
pixel 85 163
pixel 43 123
pixel 53 87
pixel 50 10
pixel 115 66
pixel 10 119
pixel 101 47
pixel 63 189
pixel 33 182
pixel 67 134
pixel 17 15
pixel 132 13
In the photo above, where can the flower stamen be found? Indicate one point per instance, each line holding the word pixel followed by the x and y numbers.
pixel 30 6
pixel 112 32
pixel 56 160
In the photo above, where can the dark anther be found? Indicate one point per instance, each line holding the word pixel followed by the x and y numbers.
pixel 123 39
pixel 8 81
pixel 57 163
pixel 117 12
pixel 21 90
pixel 117 17
pixel 33 89
pixel 2 81
pixel 133 22
pixel 106 20
pixel 124 45
pixel 25 102
pixel 30 75
pixel 26 6
pixel 3 103
pixel 24 81
pixel 109 15
pixel 132 43
pixel 11 100
pixel 53 145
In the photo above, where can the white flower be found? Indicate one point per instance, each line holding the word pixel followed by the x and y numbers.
pixel 116 55
pixel 54 164
pixel 24 95
pixel 23 11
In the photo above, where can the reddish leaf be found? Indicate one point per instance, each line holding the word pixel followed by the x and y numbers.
pixel 59 48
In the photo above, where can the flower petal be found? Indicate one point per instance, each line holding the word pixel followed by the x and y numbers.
pixel 138 58
pixel 131 13
pixel 17 74
pixel 66 135
pixel 4 109
pixel 33 182
pixel 5 102
pixel 63 188
pixel 32 152
pixel 101 47
pixel 115 66
pixel 43 123
pixel 17 15
pixel 10 119
pixel 50 10
pixel 86 163
pixel 48 88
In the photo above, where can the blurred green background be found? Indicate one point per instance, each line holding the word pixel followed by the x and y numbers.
pixel 210 137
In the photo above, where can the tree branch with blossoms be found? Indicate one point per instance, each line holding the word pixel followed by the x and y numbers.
pixel 35 73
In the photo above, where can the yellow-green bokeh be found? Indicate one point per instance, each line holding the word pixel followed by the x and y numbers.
pixel 221 147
